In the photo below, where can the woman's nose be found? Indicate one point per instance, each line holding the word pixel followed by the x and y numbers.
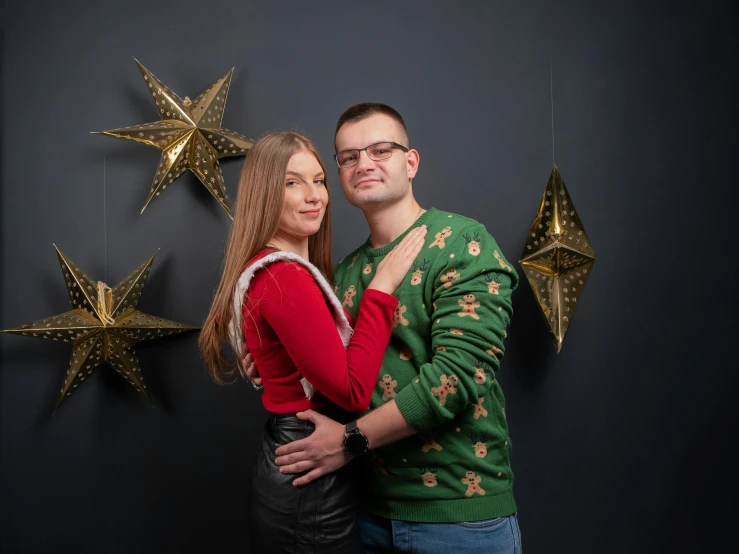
pixel 312 194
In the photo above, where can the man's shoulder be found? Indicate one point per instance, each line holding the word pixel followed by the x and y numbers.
pixel 454 219
pixel 458 224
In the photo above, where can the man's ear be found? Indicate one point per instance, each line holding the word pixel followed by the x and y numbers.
pixel 414 159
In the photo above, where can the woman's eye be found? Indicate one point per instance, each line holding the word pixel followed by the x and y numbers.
pixel 291 183
pixel 321 181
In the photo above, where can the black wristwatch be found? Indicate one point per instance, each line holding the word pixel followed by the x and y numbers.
pixel 355 442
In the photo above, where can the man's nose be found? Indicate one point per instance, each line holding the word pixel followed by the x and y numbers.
pixel 365 162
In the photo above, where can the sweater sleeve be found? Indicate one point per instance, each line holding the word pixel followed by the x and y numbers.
pixel 471 311
pixel 294 306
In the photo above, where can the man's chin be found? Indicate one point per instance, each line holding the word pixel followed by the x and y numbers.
pixel 369 197
pixel 368 201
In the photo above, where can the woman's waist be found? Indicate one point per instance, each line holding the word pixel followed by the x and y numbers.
pixel 326 408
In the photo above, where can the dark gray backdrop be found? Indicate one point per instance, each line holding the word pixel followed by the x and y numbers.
pixel 621 442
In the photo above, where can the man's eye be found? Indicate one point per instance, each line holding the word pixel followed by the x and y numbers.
pixel 348 157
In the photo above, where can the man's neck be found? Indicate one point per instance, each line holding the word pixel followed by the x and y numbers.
pixel 387 223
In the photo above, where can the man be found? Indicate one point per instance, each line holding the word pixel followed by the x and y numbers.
pixel 436 433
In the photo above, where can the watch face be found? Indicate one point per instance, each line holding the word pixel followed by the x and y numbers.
pixel 356 444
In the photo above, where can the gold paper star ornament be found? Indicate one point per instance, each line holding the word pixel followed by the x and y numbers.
pixel 190 136
pixel 103 326
pixel 557 258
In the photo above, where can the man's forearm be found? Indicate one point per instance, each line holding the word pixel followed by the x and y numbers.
pixel 385 425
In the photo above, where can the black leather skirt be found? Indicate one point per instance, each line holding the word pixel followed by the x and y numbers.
pixel 316 518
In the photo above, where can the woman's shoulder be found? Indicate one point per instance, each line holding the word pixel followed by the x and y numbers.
pixel 281 270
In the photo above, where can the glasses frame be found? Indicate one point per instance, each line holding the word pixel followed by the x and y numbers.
pixel 360 150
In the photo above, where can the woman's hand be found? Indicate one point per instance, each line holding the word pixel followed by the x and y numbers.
pixel 394 267
pixel 249 370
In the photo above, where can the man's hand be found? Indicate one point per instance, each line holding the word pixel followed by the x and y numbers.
pixel 251 371
pixel 322 452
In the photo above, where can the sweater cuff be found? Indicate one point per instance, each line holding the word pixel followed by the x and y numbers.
pixel 379 297
pixel 412 403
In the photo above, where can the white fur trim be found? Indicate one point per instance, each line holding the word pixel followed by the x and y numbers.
pixel 235 329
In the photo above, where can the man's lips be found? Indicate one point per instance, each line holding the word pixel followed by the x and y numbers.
pixel 366 182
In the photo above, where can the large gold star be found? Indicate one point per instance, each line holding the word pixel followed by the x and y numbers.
pixel 102 327
pixel 189 135
pixel 557 258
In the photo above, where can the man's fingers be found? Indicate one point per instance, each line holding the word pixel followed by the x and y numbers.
pixel 290 459
pixel 298 467
pixel 310 415
pixel 291 447
pixel 308 477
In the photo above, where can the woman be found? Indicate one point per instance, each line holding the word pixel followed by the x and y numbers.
pixel 276 292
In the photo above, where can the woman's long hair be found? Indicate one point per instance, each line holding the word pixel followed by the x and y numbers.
pixel 259 204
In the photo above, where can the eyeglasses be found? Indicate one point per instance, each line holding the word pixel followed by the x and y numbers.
pixel 377 152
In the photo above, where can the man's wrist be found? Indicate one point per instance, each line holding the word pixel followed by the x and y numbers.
pixel 355 441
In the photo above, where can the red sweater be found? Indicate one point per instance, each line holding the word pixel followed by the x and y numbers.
pixel 290 331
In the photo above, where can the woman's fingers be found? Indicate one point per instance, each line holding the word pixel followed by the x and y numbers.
pixel 410 245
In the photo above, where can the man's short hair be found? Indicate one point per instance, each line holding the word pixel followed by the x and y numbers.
pixel 358 112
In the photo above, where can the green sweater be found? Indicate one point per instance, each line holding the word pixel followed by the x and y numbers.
pixel 440 366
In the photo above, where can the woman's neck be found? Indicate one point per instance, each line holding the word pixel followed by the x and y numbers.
pixel 287 243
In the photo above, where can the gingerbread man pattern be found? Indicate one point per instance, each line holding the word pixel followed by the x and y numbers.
pixel 429 442
pixel 398 318
pixel 448 386
pixel 449 277
pixel 348 295
pixel 468 305
pixel 479 410
pixel 388 385
pixel 441 236
pixel 493 351
pixel 473 484
pixel 501 261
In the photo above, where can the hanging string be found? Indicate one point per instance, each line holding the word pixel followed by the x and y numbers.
pixel 105 293
pixel 551 95
pixel 105 226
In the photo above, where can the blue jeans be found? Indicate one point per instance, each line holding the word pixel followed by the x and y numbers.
pixel 492 536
